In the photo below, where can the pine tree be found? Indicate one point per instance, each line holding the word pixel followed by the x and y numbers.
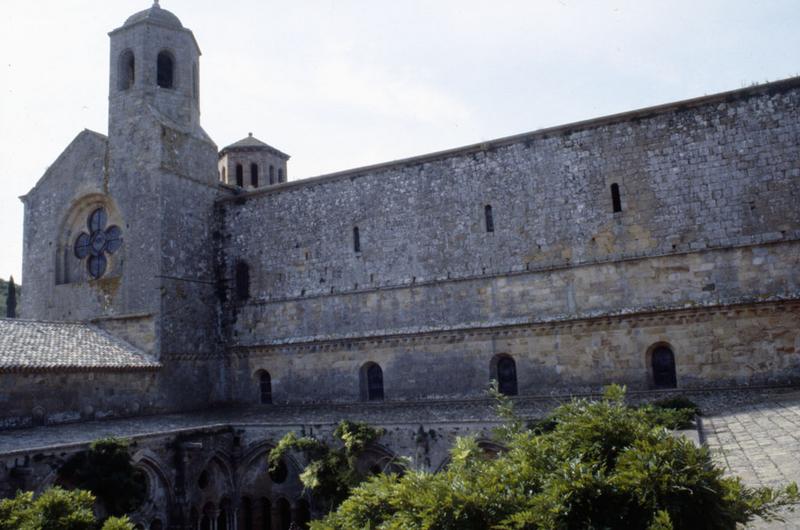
pixel 11 300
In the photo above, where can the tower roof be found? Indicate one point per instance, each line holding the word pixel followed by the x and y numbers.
pixel 251 143
pixel 155 15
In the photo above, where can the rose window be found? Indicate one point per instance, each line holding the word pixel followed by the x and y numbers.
pixel 99 242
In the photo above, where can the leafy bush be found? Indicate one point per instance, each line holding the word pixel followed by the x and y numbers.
pixel 677 403
pixel 332 471
pixel 55 509
pixel 107 471
pixel 603 465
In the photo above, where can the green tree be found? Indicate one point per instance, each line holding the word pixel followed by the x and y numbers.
pixel 331 472
pixel 11 299
pixel 598 465
pixel 107 471
pixel 55 509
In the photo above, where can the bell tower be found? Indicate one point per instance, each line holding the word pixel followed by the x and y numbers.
pixel 154 62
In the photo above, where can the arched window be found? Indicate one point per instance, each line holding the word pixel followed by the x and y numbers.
pixel 224 518
pixel 127 70
pixel 165 70
pixel 616 203
pixel 280 175
pixel 239 175
pixel 194 519
pixel 246 514
pixel 356 240
pixel 284 514
pixel 254 175
pixel 504 371
pixel 487 212
pixel 371 382
pixel 265 387
pixel 266 514
pixel 280 473
pixel 303 514
pixel 242 280
pixel 663 365
pixel 272 174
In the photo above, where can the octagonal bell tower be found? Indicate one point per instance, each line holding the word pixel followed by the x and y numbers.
pixel 154 61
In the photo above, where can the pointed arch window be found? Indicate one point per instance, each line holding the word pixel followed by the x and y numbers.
pixel 165 70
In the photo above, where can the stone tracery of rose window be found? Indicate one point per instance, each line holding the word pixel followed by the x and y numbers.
pixel 99 242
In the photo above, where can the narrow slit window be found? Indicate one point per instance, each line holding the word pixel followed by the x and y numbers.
pixel 356 239
pixel 254 175
pixel 265 387
pixel 487 211
pixel 616 202
pixel 272 174
pixel 239 175
pixel 195 83
pixel 242 280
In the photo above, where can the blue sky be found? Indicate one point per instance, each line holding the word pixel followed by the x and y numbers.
pixel 339 84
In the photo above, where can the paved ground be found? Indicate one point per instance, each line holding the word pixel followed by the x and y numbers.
pixel 760 442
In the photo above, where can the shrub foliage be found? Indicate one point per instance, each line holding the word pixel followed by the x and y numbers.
pixel 596 465
pixel 331 472
pixel 55 509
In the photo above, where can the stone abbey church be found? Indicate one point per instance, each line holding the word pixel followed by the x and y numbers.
pixel 201 304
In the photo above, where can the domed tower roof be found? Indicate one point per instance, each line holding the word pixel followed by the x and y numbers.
pixel 155 15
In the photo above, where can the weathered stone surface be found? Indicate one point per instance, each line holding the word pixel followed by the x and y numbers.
pixel 287 293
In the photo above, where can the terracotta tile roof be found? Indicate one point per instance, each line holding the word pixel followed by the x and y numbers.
pixel 33 346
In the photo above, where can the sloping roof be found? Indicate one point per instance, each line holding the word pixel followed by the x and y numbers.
pixel 33 346
pixel 250 142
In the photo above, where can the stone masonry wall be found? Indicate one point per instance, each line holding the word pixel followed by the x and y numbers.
pixel 53 397
pixel 723 173
pixel 749 344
